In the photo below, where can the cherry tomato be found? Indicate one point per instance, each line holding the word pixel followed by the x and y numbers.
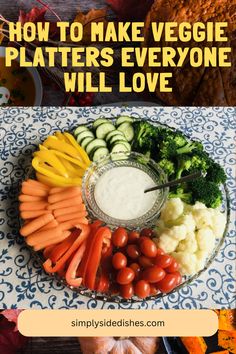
pixel 120 237
pixel 153 289
pixel 145 262
pixel 163 261
pixel 168 283
pixel 160 251
pixel 127 291
pixel 136 269
pixel 125 276
pixel 142 289
pixel 173 267
pixel 133 236
pixel 133 251
pixel 147 232
pixel 119 260
pixel 148 247
pixel 153 274
pixel 178 278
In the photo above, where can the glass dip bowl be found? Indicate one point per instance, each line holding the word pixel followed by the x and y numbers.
pixel 147 168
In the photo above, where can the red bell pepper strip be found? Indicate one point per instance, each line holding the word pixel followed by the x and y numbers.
pixel 95 256
pixel 83 265
pixel 103 282
pixel 62 247
pixel 71 271
pixel 48 251
pixel 50 268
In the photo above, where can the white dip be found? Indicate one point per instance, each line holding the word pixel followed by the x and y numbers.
pixel 119 193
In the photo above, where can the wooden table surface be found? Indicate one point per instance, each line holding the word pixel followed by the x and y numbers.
pixel 67 10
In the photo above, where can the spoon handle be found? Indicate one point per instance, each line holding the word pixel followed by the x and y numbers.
pixel 176 181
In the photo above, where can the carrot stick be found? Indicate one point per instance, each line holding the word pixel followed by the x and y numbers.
pixel 67 225
pixel 69 192
pixel 29 198
pixel 67 217
pixel 50 225
pixel 57 190
pixel 37 184
pixel 31 206
pixel 36 224
pixel 53 241
pixel 32 214
pixel 65 203
pixel 69 210
pixel 37 192
pixel 41 236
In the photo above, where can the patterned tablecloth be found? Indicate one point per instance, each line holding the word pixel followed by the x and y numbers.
pixel 24 284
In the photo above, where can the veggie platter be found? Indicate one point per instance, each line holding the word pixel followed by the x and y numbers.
pixel 85 214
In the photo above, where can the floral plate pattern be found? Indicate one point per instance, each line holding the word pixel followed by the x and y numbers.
pixel 24 284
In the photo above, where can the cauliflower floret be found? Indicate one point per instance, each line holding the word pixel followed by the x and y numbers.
pixel 169 238
pixel 218 222
pixel 189 222
pixel 187 262
pixel 198 205
pixel 202 217
pixel 189 244
pixel 173 208
pixel 205 239
pixel 167 243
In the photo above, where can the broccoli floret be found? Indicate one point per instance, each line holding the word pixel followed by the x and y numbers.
pixel 206 192
pixel 184 164
pixel 167 149
pixel 144 137
pixel 167 166
pixel 216 173
pixel 191 146
pixel 180 193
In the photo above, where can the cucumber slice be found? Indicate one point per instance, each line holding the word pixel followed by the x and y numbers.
pixel 84 134
pixel 116 138
pixel 113 133
pixel 99 153
pixel 80 129
pixel 128 131
pixel 120 151
pixel 86 141
pixel 103 129
pixel 98 122
pixel 125 143
pixel 94 145
pixel 124 119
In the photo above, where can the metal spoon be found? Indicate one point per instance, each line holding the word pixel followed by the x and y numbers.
pixel 176 181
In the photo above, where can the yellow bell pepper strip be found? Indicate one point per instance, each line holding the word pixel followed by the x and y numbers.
pixel 42 148
pixel 95 256
pixel 71 278
pixel 71 170
pixel 71 159
pixel 49 182
pixel 81 151
pixel 51 159
pixel 54 176
pixel 82 234
pixel 53 142
pixel 60 136
pixel 103 282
